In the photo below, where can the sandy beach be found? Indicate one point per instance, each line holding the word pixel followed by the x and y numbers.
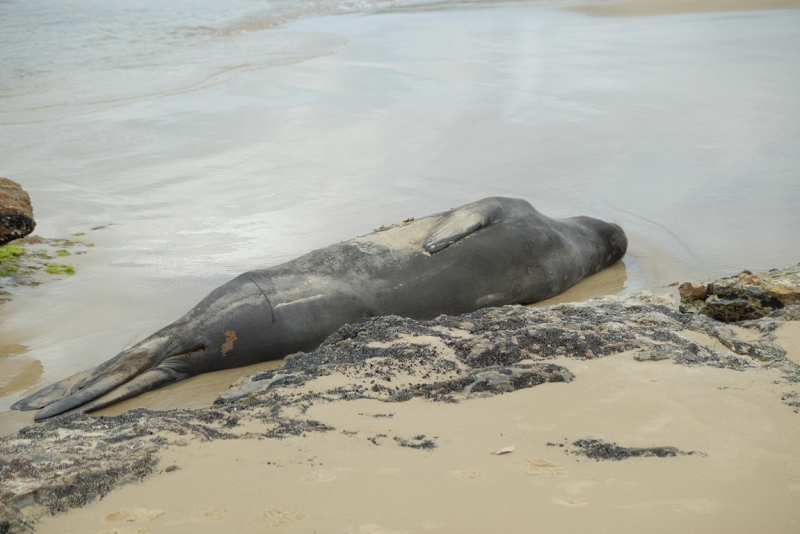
pixel 335 482
pixel 724 432
pixel 672 118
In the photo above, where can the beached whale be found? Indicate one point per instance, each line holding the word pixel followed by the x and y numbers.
pixel 491 252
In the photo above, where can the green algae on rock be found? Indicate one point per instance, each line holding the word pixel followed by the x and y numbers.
pixel 9 255
pixel 29 261
pixel 59 268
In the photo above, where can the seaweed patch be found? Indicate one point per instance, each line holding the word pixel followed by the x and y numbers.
pixel 9 259
pixel 597 449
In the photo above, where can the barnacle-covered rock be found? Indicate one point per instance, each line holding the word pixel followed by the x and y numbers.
pixel 744 296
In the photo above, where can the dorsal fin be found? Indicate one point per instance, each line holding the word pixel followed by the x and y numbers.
pixel 461 222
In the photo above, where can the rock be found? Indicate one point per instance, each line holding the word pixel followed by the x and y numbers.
pixel 16 212
pixel 743 297
pixel 692 291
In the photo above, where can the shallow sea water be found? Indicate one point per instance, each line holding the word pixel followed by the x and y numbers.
pixel 213 140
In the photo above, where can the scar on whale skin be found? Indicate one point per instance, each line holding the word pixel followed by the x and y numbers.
pixel 230 337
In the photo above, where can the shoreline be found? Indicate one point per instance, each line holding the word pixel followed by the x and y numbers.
pixel 376 122
pixel 650 8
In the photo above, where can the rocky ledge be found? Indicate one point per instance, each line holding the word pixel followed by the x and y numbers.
pixel 16 212
pixel 68 461
pixel 742 297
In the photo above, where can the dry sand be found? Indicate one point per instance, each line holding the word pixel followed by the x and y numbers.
pixel 744 475
pixel 335 482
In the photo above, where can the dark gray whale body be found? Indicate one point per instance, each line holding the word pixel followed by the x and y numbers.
pixel 489 253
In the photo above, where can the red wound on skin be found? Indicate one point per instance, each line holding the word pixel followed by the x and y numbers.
pixel 230 337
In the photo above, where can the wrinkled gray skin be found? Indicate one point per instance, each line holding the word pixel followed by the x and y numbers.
pixel 489 253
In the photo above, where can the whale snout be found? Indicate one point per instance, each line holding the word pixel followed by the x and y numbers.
pixel 608 241
pixel 618 241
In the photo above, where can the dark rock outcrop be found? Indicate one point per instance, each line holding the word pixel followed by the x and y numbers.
pixel 16 212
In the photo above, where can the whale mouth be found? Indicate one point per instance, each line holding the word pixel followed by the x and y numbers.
pixel 139 369
pixel 91 398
